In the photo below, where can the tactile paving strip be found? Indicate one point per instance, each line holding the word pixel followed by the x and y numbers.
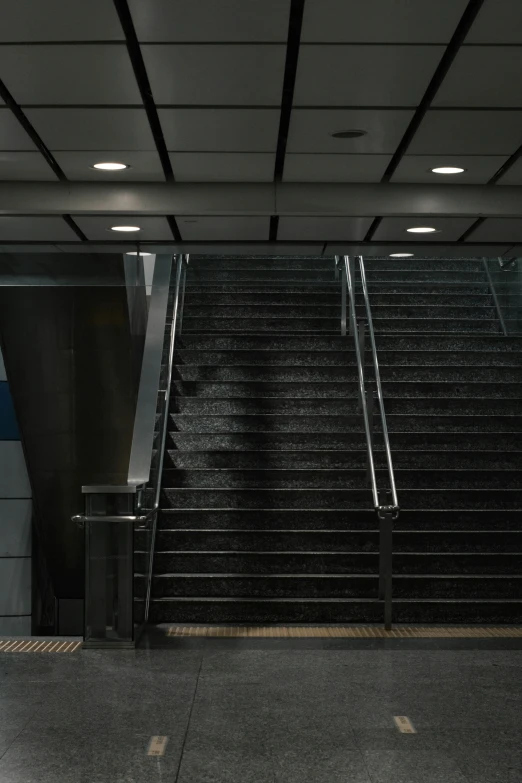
pixel 348 632
pixel 34 645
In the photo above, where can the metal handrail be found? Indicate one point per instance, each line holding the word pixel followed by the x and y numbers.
pixel 386 512
pixel 179 286
pixel 360 372
pixel 380 398
pixel 495 298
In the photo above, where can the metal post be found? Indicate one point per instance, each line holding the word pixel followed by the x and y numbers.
pixel 343 303
pixel 386 558
pixel 351 262
pixel 495 298
pixel 370 400
pixel 183 283
pixel 362 346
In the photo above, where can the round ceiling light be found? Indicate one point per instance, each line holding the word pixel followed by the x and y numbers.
pixel 421 230
pixel 401 255
pixel 349 134
pixel 110 166
pixel 448 170
pixel 125 228
pixel 135 253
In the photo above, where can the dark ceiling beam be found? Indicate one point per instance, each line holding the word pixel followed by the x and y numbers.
pixel 41 146
pixel 447 59
pixel 295 23
pixel 284 198
pixel 510 162
pixel 31 132
pixel 292 56
pixel 142 79
pixel 471 230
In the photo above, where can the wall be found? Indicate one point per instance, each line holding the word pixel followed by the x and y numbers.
pixel 15 522
pixel 71 347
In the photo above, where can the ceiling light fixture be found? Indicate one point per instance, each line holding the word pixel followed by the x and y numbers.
pixel 349 134
pixel 421 230
pixel 401 255
pixel 448 170
pixel 111 166
pixel 135 253
pixel 125 228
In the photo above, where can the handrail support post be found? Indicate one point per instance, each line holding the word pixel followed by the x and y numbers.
pixel 344 286
pixel 370 405
pixel 386 515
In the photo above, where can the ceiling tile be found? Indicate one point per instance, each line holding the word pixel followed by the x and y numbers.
pixel 311 130
pixel 223 228
pixel 220 130
pixel 508 230
pixel 144 166
pixel 468 132
pixel 513 176
pixel 211 20
pixel 209 74
pixel 73 74
pixel 97 227
pixel 438 251
pixel 483 76
pixel 93 129
pixel 478 169
pixel 323 228
pixel 25 166
pixel 376 75
pixel 335 168
pixel 34 228
pixel 498 21
pixel 56 20
pixel 381 21
pixel 394 229
pixel 12 135
pixel 223 166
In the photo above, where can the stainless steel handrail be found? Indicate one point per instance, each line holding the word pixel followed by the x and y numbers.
pixel 386 512
pixel 360 372
pixel 179 286
pixel 378 384
pixel 495 298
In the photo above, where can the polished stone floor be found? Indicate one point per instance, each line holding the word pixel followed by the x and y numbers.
pixel 282 711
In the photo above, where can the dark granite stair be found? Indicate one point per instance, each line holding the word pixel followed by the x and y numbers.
pixel 266 515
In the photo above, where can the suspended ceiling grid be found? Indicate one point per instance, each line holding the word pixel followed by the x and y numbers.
pixel 228 91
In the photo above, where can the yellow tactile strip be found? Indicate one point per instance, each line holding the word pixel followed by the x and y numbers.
pixel 34 645
pixel 344 632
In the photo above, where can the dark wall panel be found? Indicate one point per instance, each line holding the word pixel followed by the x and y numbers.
pixel 71 358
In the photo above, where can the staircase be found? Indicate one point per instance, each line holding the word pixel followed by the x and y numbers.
pixel 453 396
pixel 266 513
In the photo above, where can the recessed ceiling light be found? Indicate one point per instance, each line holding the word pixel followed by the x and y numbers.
pixel 110 166
pixel 135 253
pixel 349 134
pixel 125 228
pixel 448 170
pixel 401 255
pixel 421 230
